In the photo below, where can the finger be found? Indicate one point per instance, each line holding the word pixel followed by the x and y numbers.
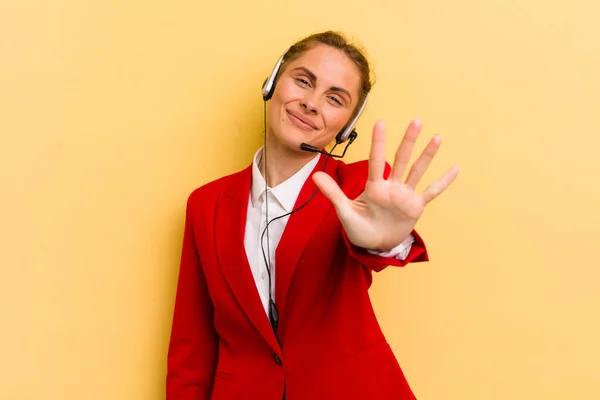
pixel 420 166
pixel 436 188
pixel 405 149
pixel 377 155
pixel 331 190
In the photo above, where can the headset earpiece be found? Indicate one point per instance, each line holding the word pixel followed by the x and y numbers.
pixel 269 85
pixel 348 132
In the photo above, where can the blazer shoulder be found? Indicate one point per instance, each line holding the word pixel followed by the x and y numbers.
pixel 358 169
pixel 210 192
pixel 352 177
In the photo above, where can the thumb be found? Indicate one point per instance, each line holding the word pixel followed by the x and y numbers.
pixel 331 190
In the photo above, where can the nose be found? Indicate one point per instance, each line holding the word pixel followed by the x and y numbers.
pixel 309 105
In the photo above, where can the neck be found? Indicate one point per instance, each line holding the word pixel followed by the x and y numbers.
pixel 282 162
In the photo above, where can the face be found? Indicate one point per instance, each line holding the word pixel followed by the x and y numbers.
pixel 314 98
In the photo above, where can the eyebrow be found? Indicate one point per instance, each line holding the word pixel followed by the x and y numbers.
pixel 313 77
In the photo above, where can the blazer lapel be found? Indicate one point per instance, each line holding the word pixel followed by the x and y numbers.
pixel 299 229
pixel 230 225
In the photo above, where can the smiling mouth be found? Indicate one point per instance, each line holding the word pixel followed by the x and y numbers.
pixel 299 123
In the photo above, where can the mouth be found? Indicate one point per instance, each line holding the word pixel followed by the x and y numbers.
pixel 301 122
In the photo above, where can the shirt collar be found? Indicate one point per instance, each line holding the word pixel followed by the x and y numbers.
pixel 286 193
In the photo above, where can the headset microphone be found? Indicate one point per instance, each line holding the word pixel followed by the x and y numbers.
pixel 313 149
pixel 308 147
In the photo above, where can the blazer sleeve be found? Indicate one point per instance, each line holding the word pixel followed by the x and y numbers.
pixel 418 253
pixel 353 178
pixel 193 347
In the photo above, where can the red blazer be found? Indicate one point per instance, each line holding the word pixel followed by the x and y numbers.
pixel 222 346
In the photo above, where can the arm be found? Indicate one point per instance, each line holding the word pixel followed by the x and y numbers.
pixel 193 347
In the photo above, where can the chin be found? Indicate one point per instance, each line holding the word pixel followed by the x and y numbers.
pixel 292 140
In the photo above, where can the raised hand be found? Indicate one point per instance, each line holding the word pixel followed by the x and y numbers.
pixel 386 212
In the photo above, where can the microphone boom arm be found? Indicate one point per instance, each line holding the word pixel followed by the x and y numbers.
pixel 313 149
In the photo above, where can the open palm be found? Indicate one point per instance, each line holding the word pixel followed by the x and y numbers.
pixel 386 212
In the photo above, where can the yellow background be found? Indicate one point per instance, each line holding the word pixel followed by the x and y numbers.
pixel 112 112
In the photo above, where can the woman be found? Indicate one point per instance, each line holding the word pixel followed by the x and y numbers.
pixel 285 312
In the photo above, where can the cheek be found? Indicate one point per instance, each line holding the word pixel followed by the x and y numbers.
pixel 272 114
pixel 334 122
pixel 286 91
pixel 337 119
pixel 275 107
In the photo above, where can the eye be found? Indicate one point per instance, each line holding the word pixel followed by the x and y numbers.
pixel 303 82
pixel 336 100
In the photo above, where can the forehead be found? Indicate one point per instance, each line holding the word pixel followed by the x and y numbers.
pixel 331 66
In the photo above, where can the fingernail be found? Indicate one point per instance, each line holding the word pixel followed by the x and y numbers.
pixel 417 122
